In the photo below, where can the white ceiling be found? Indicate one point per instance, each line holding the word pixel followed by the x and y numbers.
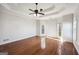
pixel 51 10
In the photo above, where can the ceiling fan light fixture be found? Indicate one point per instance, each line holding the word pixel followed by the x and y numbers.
pixel 41 10
pixel 36 11
pixel 37 15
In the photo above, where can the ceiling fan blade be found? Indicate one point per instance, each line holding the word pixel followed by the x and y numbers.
pixel 49 9
pixel 31 10
pixel 41 13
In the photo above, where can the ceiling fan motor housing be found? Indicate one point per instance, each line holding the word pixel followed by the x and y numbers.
pixel 36 11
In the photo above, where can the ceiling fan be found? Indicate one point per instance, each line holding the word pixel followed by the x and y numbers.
pixel 36 11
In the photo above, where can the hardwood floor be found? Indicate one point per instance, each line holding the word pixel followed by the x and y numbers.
pixel 31 46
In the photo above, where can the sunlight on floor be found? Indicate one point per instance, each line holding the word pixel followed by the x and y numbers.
pixel 43 42
pixel 60 45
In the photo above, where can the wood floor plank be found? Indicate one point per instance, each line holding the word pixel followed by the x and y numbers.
pixel 31 46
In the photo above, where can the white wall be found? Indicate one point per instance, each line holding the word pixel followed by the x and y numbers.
pixel 38 27
pixel 14 27
pixel 51 27
pixel 67 28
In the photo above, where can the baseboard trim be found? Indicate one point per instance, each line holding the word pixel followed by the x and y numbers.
pixel 17 40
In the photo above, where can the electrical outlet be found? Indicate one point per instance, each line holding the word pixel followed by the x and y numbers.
pixel 5 39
